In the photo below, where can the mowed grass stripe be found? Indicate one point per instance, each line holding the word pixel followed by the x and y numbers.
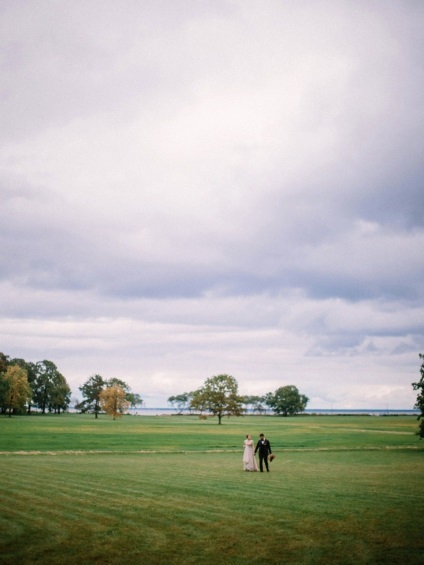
pixel 333 495
pixel 153 506
pixel 337 507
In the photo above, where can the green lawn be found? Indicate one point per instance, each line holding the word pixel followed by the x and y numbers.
pixel 188 433
pixel 172 490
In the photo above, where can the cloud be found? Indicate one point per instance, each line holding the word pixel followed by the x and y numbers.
pixel 219 188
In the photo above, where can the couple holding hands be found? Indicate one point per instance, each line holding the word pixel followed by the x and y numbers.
pixel 263 447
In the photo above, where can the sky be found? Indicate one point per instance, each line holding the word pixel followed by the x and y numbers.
pixel 201 187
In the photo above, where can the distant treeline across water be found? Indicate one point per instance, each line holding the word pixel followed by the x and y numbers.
pixel 308 412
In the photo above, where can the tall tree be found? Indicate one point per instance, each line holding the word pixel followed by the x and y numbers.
pixel 219 395
pixel 198 401
pixel 286 400
pixel 134 399
pixel 60 396
pixel 46 384
pixel 91 391
pixel 180 401
pixel 420 398
pixel 113 401
pixel 118 382
pixel 31 370
pixel 3 362
pixel 3 384
pixel 17 390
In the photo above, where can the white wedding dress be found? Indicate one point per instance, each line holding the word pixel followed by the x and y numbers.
pixel 249 460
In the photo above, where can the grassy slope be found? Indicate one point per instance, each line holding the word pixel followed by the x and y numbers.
pixel 360 501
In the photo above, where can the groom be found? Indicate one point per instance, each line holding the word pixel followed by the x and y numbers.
pixel 264 448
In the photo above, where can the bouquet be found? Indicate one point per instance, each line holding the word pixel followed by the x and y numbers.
pixel 271 457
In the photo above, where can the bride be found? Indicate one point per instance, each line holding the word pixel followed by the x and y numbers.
pixel 249 460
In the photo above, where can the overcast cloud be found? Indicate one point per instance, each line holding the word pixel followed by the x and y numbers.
pixel 191 188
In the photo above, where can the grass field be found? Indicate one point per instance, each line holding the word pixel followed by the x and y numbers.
pixel 172 490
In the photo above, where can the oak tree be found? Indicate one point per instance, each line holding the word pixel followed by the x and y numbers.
pixel 50 389
pixel 219 395
pixel 286 400
pixel 60 395
pixel 91 391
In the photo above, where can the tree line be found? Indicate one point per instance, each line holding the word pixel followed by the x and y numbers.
pixel 25 385
pixel 219 396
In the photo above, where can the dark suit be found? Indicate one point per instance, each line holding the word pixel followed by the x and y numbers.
pixel 264 448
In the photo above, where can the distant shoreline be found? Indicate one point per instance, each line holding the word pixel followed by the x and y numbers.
pixel 309 412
